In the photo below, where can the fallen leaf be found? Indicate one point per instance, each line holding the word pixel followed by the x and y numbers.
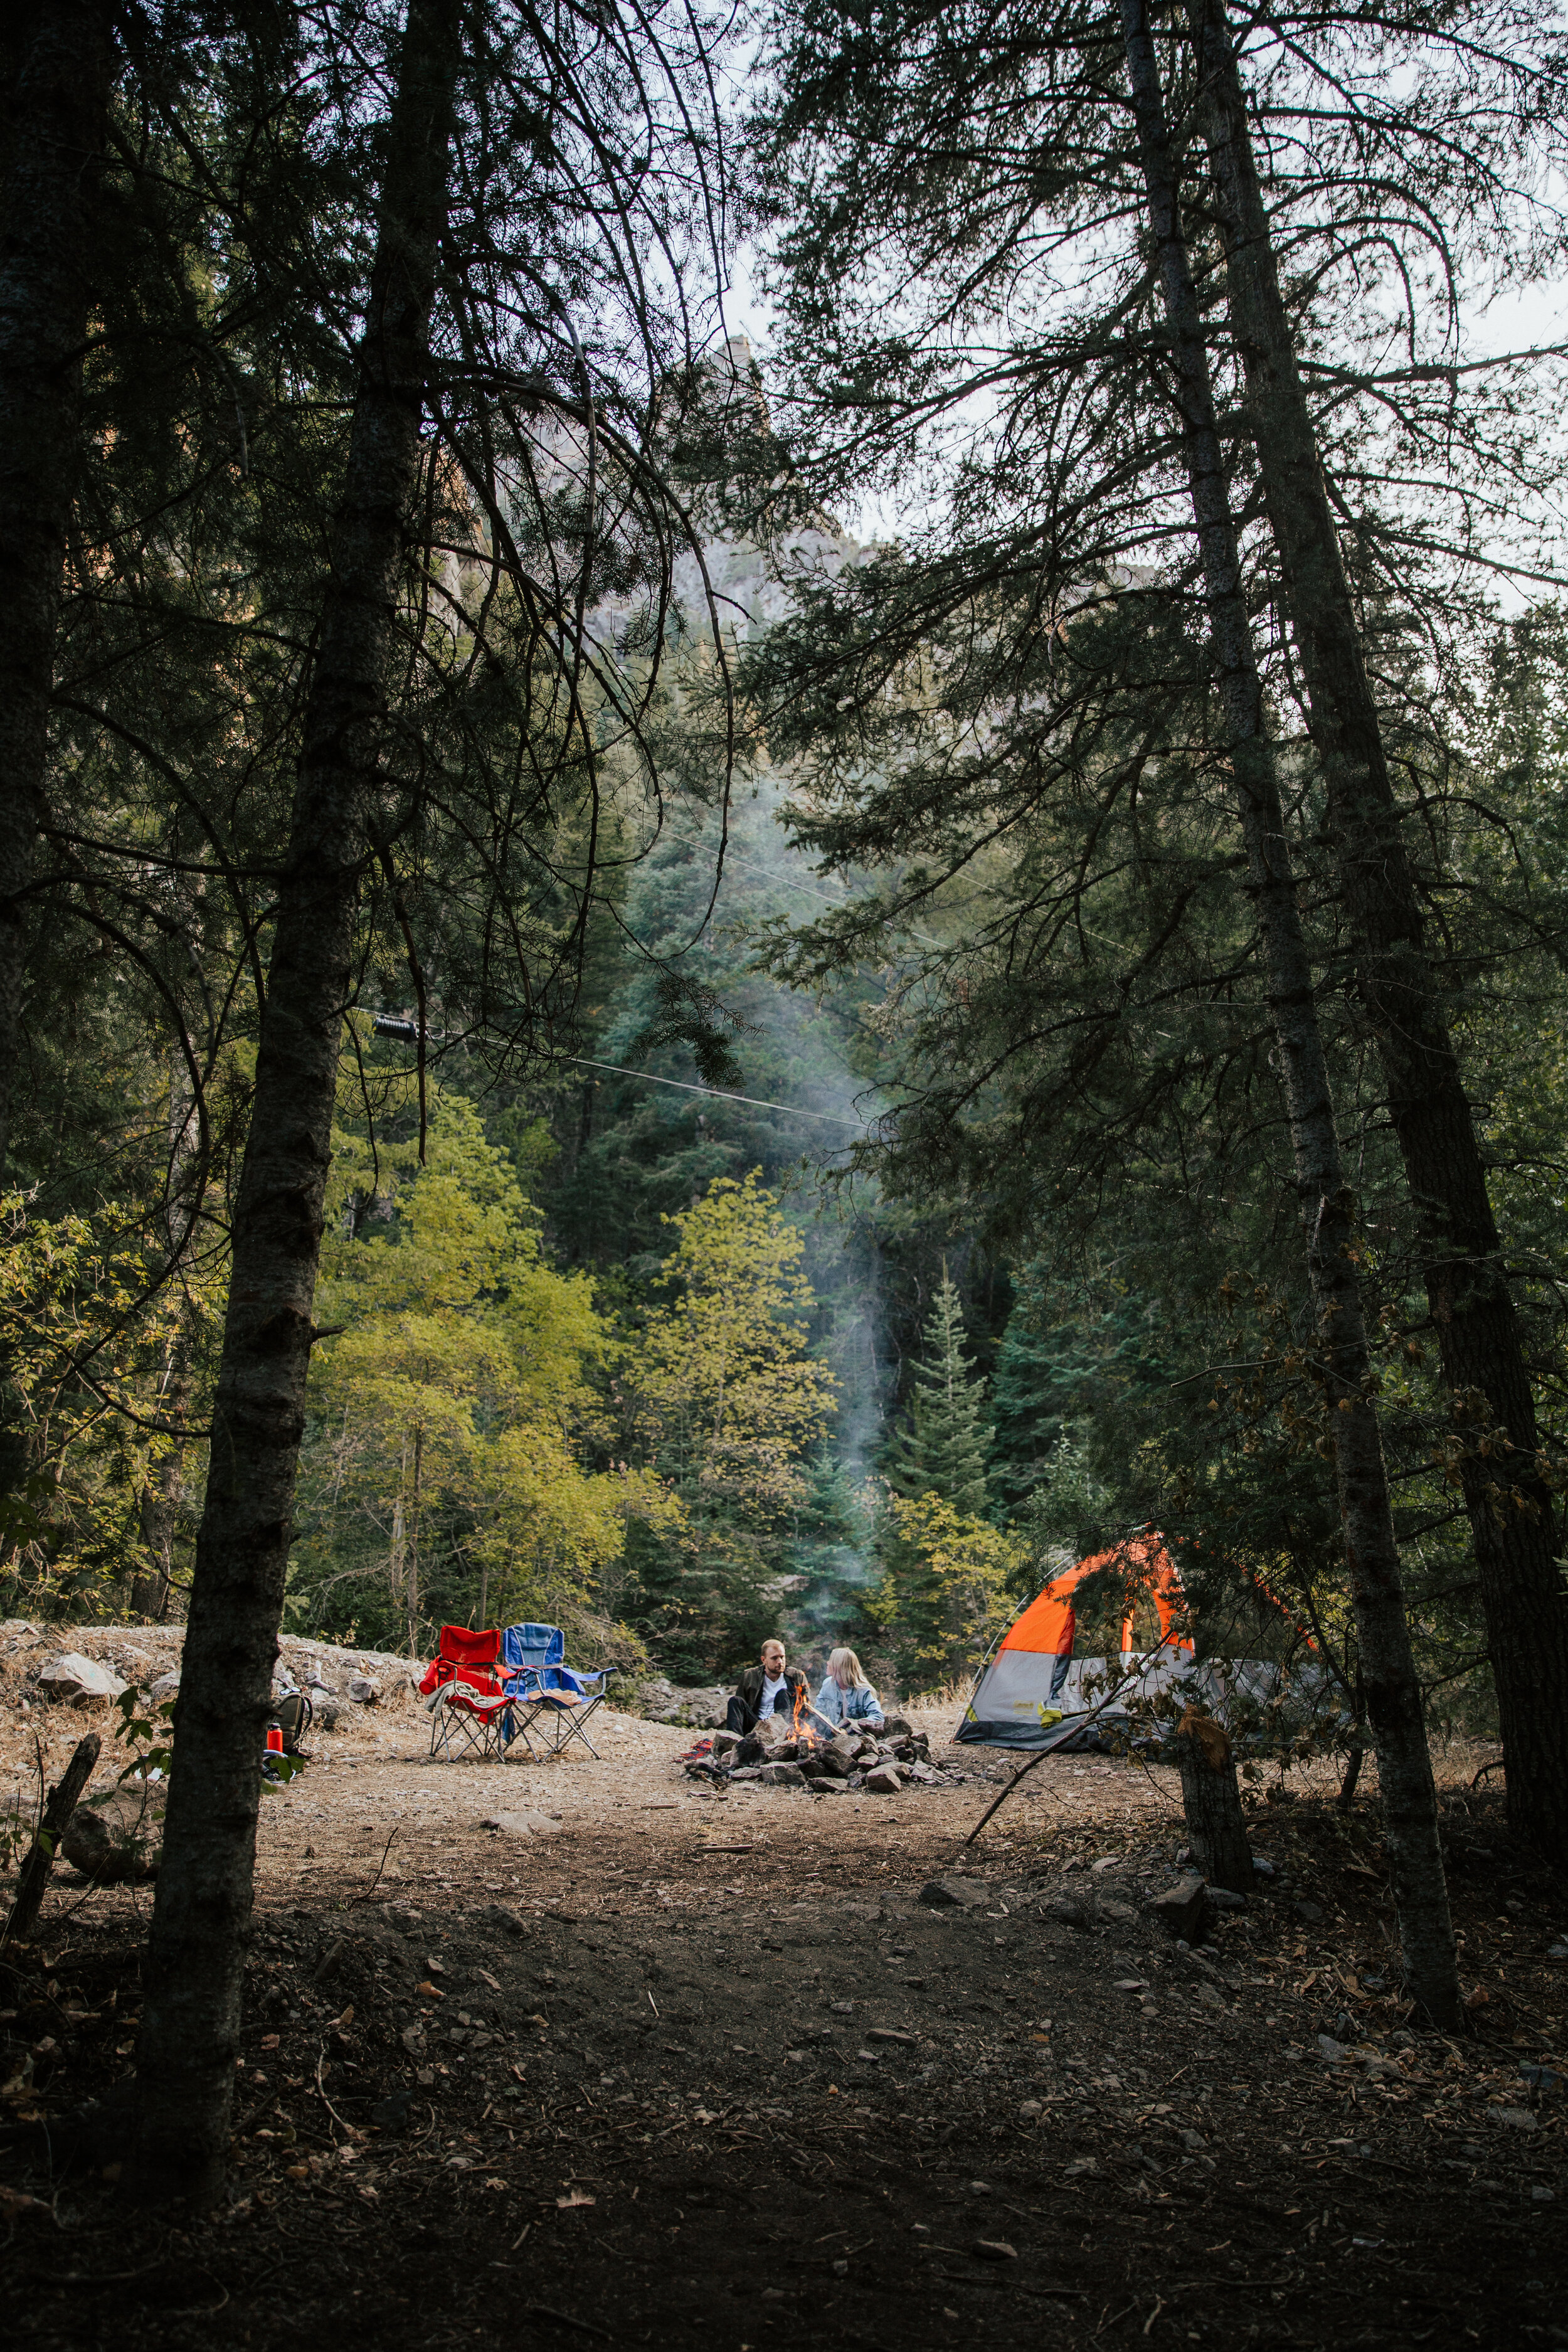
pixel 16 2201
pixel 296 2172
pixel 431 1992
pixel 269 2041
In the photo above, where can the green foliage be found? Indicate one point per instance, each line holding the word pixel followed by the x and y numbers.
pixel 446 1471
pixel 947 1590
pixel 93 1321
pixel 719 1385
pixel 942 1449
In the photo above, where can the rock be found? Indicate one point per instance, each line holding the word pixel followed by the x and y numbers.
pixel 1122 1913
pixel 825 1785
pixel 1181 1907
pixel 72 1680
pixel 781 1776
pixel 117 1841
pixel 1513 2118
pixel 773 1732
pixel 413 2040
pixel 837 1757
pixel 404 1917
pixel 896 1727
pixel 1065 1912
pixel 327 1712
pixel 884 1780
pixel 725 1744
pixel 1107 1861
pixel 1331 2050
pixel 524 1825
pixel 1559 1950
pixel 1310 1911
pixel 1209 1997
pixel 925 1774
pixel 995 2249
pixel 1541 2079
pixel 1220 1899
pixel 1264 1868
pixel 1031 2111
pixel 496 1915
pixel 392 2113
pixel 166 1687
pixel 951 1894
pixel 365 1690
pixel 891 2033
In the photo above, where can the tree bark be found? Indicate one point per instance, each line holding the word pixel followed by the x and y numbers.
pixel 53 145
pixel 35 1873
pixel 1327 1202
pixel 1479 1344
pixel 1211 1802
pixel 201 1920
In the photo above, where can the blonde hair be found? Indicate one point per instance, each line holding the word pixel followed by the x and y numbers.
pixel 848 1672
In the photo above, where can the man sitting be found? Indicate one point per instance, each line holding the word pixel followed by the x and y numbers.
pixel 770 1688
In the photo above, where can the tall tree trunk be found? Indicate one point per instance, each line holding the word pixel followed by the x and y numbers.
pixel 201 1922
pixel 1392 1692
pixel 1512 1524
pixel 52 144
pixel 159 1507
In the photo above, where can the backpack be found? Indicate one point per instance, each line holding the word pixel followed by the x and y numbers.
pixel 295 1714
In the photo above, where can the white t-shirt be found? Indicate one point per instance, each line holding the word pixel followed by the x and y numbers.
pixel 772 1685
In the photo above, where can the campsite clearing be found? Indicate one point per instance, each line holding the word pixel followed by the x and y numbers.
pixel 642 2064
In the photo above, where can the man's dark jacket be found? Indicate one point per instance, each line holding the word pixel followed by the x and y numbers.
pixel 750 1688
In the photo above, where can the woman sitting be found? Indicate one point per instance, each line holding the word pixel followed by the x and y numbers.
pixel 846 1695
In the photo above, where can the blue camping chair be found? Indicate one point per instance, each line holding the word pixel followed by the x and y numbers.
pixel 549 1698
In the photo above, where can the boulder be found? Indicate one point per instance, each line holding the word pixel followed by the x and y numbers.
pixel 72 1680
pixel 884 1781
pixel 952 1894
pixel 365 1690
pixel 1220 1899
pixel 896 1727
pixel 1181 1907
pixel 782 1776
pixel 117 1840
pixel 166 1687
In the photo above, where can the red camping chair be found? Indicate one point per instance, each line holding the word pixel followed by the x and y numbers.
pixel 468 1702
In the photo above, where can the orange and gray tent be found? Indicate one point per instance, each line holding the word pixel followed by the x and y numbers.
pixel 1030 1687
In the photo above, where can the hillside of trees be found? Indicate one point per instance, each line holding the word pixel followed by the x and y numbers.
pixel 579 1038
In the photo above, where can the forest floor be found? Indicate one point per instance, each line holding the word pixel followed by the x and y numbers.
pixel 645 2064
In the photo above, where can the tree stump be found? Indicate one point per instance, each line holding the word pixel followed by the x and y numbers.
pixel 1216 1828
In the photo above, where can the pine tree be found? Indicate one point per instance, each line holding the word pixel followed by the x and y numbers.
pixel 944 1449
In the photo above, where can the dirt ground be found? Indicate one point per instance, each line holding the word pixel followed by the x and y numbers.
pixel 646 2064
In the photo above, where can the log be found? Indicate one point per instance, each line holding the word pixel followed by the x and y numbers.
pixel 59 1805
pixel 1211 1800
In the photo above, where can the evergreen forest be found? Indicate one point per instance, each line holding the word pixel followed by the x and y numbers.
pixel 696 986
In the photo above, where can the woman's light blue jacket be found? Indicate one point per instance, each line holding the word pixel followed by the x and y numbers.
pixel 860 1705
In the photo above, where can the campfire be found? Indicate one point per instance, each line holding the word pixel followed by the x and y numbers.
pixel 806 1751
